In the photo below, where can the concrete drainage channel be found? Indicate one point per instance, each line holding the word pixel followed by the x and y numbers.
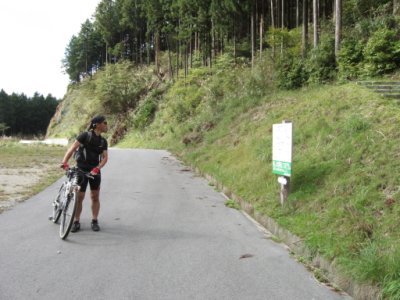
pixel 299 249
pixel 388 89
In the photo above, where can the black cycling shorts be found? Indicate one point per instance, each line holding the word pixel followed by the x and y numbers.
pixel 94 183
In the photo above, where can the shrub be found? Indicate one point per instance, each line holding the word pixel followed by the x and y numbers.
pixel 145 114
pixel 382 52
pixel 291 73
pixel 121 86
pixel 186 95
pixel 289 67
pixel 290 40
pixel 350 59
pixel 321 65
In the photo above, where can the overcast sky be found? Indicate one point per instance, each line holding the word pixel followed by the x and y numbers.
pixel 33 37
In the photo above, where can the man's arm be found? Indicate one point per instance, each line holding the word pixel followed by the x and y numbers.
pixel 104 159
pixel 70 152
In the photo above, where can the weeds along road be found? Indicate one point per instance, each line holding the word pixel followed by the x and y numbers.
pixel 165 234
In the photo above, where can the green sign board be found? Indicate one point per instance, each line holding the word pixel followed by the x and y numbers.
pixel 282 168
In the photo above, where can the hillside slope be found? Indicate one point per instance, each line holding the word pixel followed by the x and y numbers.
pixel 345 194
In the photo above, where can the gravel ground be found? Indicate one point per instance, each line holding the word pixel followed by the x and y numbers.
pixel 16 184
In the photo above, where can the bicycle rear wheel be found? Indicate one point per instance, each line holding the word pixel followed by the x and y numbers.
pixel 68 214
pixel 56 204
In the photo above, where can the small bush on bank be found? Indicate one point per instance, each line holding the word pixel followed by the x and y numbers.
pixel 321 64
pixel 350 59
pixel 319 67
pixel 292 73
pixel 145 114
pixel 382 52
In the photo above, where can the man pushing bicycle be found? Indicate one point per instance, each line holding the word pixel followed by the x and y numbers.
pixel 90 153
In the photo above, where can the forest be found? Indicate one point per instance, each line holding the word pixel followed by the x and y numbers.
pixel 309 41
pixel 25 116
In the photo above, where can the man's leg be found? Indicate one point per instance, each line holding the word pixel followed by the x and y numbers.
pixel 95 209
pixel 81 196
pixel 95 203
pixel 95 194
pixel 77 226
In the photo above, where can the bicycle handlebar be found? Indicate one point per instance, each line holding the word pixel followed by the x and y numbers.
pixel 77 170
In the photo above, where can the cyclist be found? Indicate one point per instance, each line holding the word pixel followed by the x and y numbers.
pixel 90 152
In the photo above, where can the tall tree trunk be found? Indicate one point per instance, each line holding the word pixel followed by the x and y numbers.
pixel 196 44
pixel 195 41
pixel 396 7
pixel 157 51
pixel 338 27
pixel 106 53
pixel 177 59
pixel 261 33
pixel 252 38
pixel 170 69
pixel 282 22
pixel 273 25
pixel 86 58
pixel 185 61
pixel 272 14
pixel 278 13
pixel 297 14
pixel 204 49
pixel 222 43
pixel 148 50
pixel 234 42
pixel 305 28
pixel 212 40
pixel 191 50
pixel 199 45
pixel 316 22
pixel 210 63
pixel 140 46
pixel 213 43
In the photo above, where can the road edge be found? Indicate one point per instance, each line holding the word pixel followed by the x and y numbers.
pixel 296 245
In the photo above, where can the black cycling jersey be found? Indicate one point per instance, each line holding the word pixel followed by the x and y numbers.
pixel 95 145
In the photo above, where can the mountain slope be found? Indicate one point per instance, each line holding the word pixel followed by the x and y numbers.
pixel 345 194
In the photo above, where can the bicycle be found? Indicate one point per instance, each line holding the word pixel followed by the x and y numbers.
pixel 64 205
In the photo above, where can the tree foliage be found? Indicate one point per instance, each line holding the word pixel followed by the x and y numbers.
pixel 20 115
pixel 196 32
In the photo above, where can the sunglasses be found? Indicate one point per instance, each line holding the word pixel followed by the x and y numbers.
pixel 105 122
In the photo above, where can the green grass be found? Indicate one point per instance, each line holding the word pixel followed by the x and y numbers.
pixel 232 204
pixel 16 155
pixel 345 197
pixel 346 162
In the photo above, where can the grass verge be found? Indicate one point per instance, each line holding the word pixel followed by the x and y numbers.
pixel 345 196
pixel 35 167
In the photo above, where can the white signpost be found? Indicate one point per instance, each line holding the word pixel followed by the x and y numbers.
pixel 282 151
pixel 282 144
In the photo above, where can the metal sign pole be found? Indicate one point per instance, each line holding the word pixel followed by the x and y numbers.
pixel 285 189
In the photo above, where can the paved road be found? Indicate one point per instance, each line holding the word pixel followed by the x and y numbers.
pixel 166 234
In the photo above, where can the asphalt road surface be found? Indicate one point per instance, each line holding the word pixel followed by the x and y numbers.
pixel 165 234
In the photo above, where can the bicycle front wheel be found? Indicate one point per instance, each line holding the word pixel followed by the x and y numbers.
pixel 68 214
pixel 57 204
